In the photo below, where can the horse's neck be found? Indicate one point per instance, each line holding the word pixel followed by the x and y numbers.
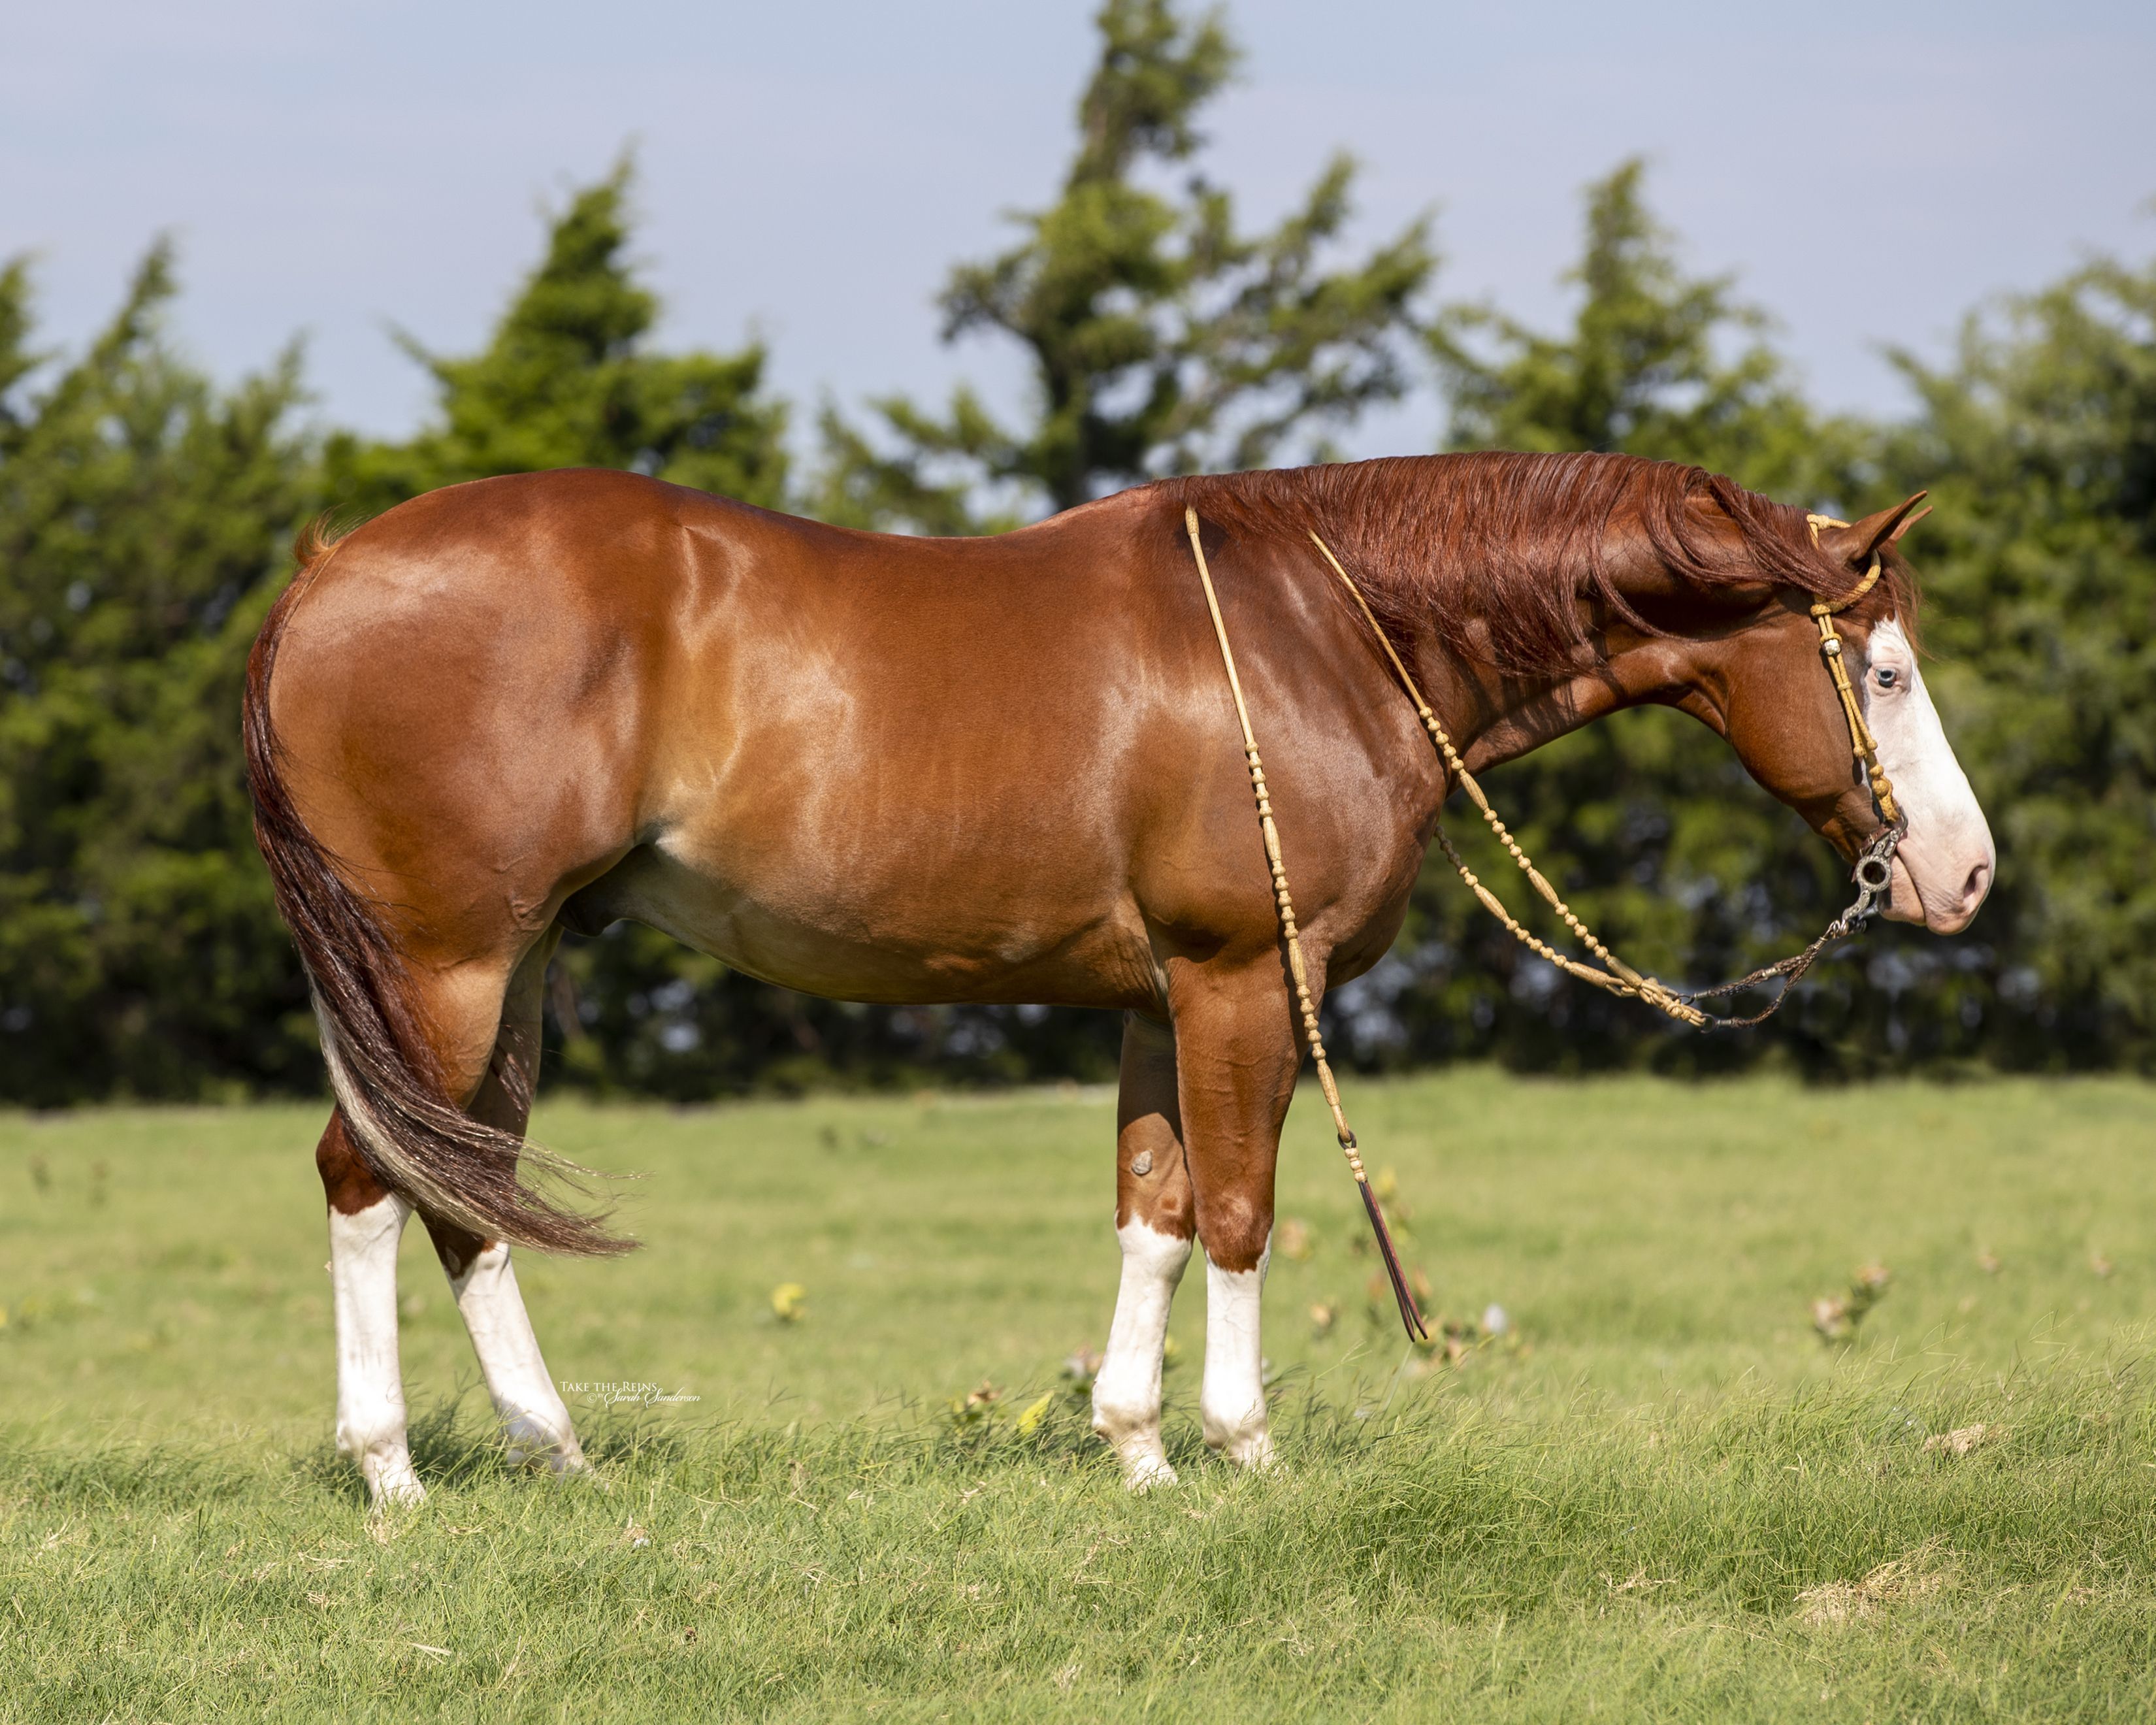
pixel 1495 717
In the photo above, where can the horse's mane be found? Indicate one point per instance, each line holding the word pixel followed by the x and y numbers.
pixel 1496 550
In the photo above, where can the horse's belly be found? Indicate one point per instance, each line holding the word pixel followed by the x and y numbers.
pixel 911 940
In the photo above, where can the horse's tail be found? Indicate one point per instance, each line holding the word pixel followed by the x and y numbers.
pixel 389 1087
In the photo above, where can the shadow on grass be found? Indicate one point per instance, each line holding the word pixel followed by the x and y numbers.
pixel 457 1444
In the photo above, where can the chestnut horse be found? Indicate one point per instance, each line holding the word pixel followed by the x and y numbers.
pixel 1001 769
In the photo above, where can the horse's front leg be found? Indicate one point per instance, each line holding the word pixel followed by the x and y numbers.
pixel 1236 1056
pixel 1154 1226
pixel 366 1221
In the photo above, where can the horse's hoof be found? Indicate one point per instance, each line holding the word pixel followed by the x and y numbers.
pixel 528 1442
pixel 1258 1456
pixel 394 1491
pixel 1147 1471
pixel 1252 1451
pixel 560 1463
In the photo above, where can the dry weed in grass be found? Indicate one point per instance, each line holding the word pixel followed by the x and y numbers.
pixel 1835 1603
pixel 1962 1440
pixel 1838 1318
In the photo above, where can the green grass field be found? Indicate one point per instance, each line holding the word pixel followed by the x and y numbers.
pixel 1659 1494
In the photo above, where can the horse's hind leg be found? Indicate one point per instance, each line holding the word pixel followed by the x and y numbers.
pixel 483 1281
pixel 1153 1227
pixel 366 1221
pixel 464 1008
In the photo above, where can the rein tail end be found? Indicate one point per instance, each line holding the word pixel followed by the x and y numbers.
pixel 1410 1316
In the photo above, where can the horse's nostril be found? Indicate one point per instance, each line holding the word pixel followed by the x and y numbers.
pixel 1978 884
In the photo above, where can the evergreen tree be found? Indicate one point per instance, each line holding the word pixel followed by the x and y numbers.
pixel 1159 339
pixel 1646 368
pixel 568 379
pixel 143 516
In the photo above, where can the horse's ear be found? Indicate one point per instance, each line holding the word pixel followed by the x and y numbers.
pixel 1908 521
pixel 1859 542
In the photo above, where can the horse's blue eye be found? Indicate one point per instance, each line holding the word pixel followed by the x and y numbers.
pixel 1887 676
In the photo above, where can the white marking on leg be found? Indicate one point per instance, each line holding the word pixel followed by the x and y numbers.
pixel 532 1415
pixel 370 1417
pixel 1233 1400
pixel 1126 1389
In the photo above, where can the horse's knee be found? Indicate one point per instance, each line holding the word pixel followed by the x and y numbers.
pixel 1237 1229
pixel 1153 1187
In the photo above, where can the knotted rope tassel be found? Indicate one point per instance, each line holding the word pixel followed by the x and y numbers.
pixel 1409 1316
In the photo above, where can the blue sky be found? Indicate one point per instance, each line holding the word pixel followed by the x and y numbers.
pixel 809 172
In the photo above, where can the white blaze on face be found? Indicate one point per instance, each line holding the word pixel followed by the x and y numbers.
pixel 1943 867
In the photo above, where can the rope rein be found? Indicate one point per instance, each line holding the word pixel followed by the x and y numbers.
pixel 1297 970
pixel 1621 978
pixel 1873 872
pixel 1874 868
